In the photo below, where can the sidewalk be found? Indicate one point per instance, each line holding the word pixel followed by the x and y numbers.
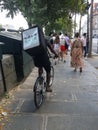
pixel 73 105
pixel 93 60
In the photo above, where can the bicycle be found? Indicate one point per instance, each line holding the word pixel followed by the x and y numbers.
pixel 40 87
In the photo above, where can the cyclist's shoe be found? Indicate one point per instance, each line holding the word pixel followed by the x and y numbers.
pixel 48 89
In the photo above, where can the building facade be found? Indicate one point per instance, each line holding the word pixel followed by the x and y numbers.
pixel 95 20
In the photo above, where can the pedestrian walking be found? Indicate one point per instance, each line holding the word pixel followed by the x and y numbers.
pixel 76 53
pixel 57 48
pixel 67 42
pixel 84 40
pixel 62 48
pixel 52 38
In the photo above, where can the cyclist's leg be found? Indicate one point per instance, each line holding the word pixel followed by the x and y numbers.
pixel 48 88
pixel 40 71
pixel 47 67
pixel 48 78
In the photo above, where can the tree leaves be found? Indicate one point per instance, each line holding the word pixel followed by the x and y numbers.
pixel 45 12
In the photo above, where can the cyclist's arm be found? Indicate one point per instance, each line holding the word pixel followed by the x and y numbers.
pixel 52 50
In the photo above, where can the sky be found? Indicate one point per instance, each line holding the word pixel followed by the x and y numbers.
pixel 18 20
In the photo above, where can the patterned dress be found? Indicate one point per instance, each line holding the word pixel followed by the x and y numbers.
pixel 77 54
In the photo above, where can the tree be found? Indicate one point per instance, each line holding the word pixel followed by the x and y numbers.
pixel 46 13
pixel 82 12
pixel 10 6
pixel 91 24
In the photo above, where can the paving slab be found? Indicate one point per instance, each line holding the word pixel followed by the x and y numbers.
pixel 73 104
pixel 72 123
pixel 24 122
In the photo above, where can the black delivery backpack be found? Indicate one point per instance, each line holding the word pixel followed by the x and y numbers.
pixel 33 41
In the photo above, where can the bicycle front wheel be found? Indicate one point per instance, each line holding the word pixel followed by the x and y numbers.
pixel 38 92
pixel 51 76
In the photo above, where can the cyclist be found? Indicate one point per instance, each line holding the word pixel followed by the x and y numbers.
pixel 42 61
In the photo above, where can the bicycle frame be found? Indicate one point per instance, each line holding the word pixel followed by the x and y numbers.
pixel 40 86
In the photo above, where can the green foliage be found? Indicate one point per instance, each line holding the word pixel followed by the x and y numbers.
pixel 10 6
pixel 51 14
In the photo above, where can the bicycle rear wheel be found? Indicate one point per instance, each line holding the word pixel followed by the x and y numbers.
pixel 38 92
pixel 51 76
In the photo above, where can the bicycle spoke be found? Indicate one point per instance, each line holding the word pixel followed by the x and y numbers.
pixel 38 92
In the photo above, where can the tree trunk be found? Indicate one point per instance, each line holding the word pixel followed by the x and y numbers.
pixel 80 24
pixel 75 24
pixel 91 23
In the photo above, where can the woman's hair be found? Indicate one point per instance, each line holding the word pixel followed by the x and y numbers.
pixel 57 39
pixel 77 34
pixel 84 34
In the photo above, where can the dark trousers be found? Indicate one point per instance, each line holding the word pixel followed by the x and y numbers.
pixel 85 51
